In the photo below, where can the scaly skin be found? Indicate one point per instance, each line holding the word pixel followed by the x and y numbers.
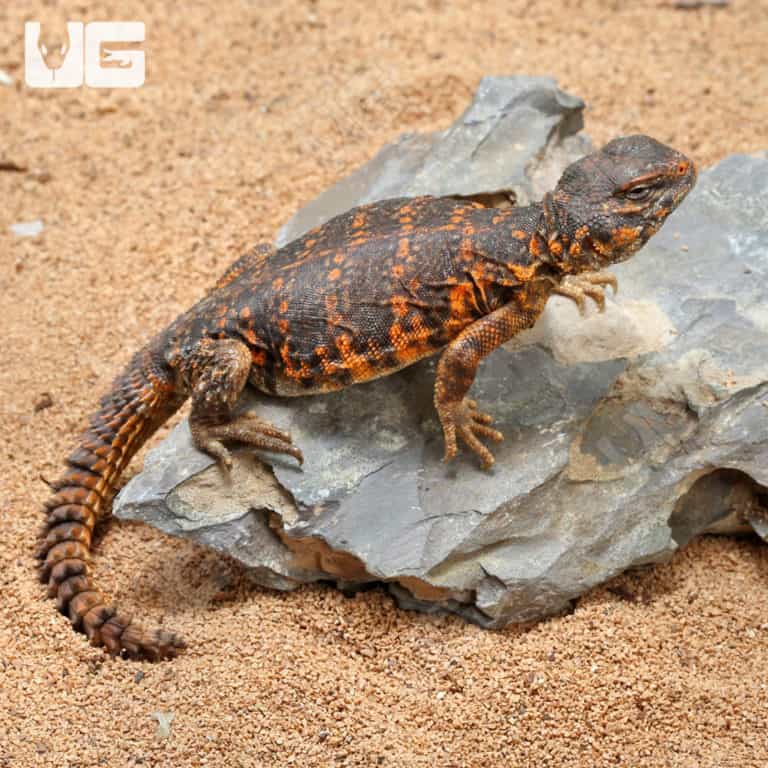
pixel 364 295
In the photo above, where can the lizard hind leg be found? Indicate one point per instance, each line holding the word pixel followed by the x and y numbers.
pixel 217 371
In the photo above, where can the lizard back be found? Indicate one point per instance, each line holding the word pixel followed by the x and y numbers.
pixel 372 291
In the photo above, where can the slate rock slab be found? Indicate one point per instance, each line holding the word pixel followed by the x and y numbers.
pixel 627 433
pixel 515 138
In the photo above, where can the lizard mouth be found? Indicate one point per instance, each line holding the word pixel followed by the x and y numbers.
pixel 688 175
pixel 691 179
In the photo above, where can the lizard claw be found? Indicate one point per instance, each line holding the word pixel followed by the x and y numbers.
pixel 247 429
pixel 464 420
pixel 578 288
pixel 217 450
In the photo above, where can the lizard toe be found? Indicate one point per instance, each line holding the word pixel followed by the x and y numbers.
pixel 465 421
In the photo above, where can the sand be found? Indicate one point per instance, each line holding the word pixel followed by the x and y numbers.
pixel 249 111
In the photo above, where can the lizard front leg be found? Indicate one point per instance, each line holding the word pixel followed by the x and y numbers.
pixel 579 287
pixel 456 372
pixel 217 371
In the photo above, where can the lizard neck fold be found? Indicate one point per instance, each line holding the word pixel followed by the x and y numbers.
pixel 560 243
pixel 546 243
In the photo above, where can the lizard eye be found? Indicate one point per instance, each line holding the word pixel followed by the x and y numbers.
pixel 639 193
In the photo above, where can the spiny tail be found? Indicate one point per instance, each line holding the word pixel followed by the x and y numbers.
pixel 140 400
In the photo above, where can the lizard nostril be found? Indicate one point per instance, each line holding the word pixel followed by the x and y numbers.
pixel 682 168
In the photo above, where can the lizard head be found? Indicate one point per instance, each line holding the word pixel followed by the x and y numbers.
pixel 608 204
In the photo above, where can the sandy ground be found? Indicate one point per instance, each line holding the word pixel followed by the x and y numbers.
pixel 251 109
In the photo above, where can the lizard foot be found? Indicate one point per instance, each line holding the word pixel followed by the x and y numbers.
pixel 247 429
pixel 579 287
pixel 462 419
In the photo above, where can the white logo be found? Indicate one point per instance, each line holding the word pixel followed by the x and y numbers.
pixel 95 53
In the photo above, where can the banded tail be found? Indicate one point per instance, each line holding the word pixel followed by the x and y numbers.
pixel 140 400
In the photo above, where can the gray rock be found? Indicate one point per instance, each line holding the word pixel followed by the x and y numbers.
pixel 515 139
pixel 627 433
pixel 691 5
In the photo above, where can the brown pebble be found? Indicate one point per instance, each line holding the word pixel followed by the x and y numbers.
pixel 43 401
